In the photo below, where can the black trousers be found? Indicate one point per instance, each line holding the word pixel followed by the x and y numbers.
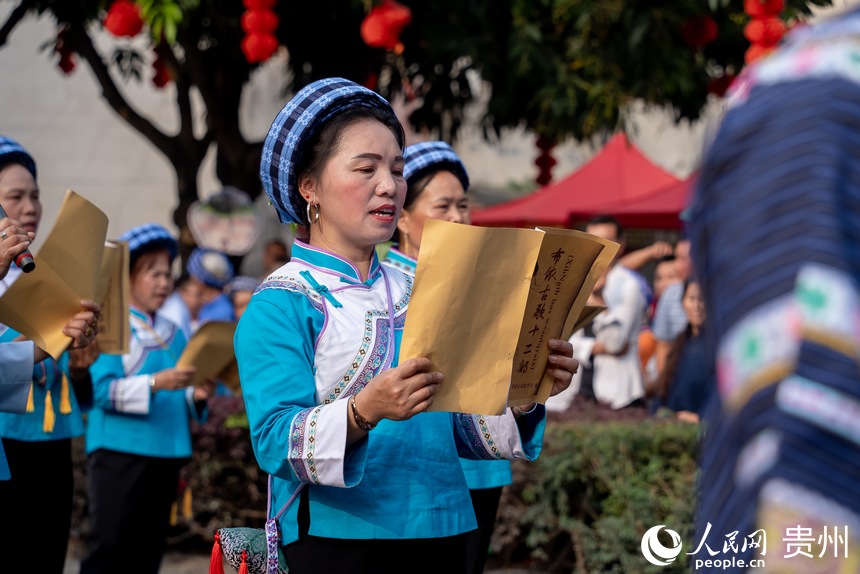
pixel 314 554
pixel 130 499
pixel 485 501
pixel 36 506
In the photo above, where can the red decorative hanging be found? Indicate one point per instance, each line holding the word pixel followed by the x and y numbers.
pixel 764 29
pixel 123 19
pixel 161 77
pixel 545 161
pixel 763 8
pixel 67 55
pixel 259 23
pixel 699 31
pixel 382 26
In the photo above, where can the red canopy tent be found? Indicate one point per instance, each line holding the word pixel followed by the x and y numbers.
pixel 618 175
pixel 659 209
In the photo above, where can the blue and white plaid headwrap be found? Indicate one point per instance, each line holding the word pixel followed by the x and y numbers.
pixel 211 267
pixel 241 283
pixel 150 235
pixel 298 121
pixel 12 152
pixel 426 155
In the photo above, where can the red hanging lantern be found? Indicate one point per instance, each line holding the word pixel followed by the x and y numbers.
pixel 765 31
pixel 763 8
pixel 259 47
pixel 545 162
pixel 259 4
pixel 162 75
pixel 67 55
pixel 699 31
pixel 259 23
pixel 382 26
pixel 123 19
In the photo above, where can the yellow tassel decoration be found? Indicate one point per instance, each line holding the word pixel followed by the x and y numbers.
pixel 31 404
pixel 65 402
pixel 187 512
pixel 173 514
pixel 48 421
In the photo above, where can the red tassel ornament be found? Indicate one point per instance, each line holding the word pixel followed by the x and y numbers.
pixel 243 567
pixel 216 561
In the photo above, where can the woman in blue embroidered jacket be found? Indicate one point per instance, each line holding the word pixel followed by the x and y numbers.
pixel 436 186
pixel 138 434
pixel 36 484
pixel 334 418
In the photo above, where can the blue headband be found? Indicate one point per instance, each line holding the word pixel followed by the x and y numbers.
pixel 297 122
pixel 211 267
pixel 424 156
pixel 12 152
pixel 149 236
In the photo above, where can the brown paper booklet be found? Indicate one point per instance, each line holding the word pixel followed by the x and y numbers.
pixel 112 294
pixel 68 266
pixel 487 300
pixel 210 351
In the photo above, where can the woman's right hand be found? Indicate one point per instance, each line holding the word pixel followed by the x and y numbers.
pixel 15 242
pixel 173 379
pixel 400 393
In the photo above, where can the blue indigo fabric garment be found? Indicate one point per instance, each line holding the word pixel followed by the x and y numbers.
pixel 776 245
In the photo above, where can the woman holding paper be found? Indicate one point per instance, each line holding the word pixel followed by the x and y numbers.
pixel 368 482
pixel 138 434
pixel 37 435
pixel 436 186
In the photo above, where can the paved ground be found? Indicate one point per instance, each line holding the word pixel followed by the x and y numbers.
pixel 191 564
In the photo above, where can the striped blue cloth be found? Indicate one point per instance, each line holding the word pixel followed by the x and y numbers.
pixel 775 225
pixel 425 156
pixel 149 236
pixel 13 152
pixel 296 123
pixel 211 267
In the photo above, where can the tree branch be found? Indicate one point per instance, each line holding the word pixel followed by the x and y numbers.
pixel 14 18
pixel 83 44
pixel 183 92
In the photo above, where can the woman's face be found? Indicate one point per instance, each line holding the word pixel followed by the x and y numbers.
pixel 19 196
pixel 360 190
pixel 443 198
pixel 240 302
pixel 151 281
pixel 665 274
pixel 694 305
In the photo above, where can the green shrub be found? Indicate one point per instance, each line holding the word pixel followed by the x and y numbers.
pixel 596 488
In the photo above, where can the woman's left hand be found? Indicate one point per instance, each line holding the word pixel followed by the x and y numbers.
pixel 562 365
pixel 204 391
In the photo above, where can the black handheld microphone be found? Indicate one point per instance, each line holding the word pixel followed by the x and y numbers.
pixel 25 260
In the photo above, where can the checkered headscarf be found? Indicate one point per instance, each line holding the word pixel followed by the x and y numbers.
pixel 12 152
pixel 297 122
pixel 423 156
pixel 211 267
pixel 241 283
pixel 149 236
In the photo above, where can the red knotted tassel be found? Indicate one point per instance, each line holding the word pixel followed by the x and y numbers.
pixel 243 567
pixel 216 562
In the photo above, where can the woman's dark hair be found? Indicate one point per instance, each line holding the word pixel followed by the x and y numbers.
pixel 667 377
pixel 322 145
pixel 146 250
pixel 416 186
